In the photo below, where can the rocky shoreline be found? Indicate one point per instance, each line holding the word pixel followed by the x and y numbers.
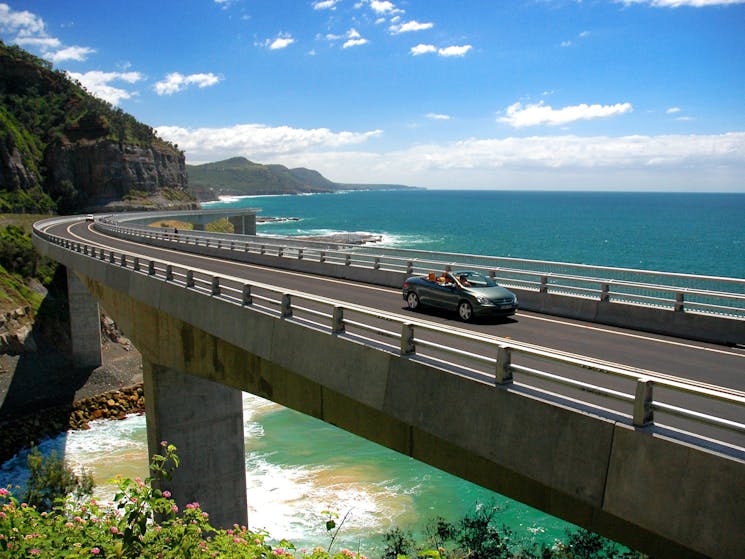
pixel 29 430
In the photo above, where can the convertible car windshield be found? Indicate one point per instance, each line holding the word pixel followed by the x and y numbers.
pixel 474 279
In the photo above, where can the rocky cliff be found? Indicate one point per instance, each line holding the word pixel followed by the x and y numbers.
pixel 106 172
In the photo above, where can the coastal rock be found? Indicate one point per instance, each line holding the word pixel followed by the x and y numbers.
pixel 103 172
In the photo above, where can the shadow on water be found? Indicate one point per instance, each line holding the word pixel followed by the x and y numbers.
pixel 36 397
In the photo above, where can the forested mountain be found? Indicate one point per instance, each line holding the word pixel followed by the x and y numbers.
pixel 240 177
pixel 64 150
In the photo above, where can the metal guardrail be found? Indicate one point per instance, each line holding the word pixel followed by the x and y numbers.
pixel 480 358
pixel 717 296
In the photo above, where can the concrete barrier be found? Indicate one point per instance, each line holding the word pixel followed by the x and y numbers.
pixel 692 326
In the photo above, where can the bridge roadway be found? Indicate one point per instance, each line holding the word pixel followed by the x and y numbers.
pixel 701 363
pixel 570 454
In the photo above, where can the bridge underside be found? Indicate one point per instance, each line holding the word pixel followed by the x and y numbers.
pixel 579 466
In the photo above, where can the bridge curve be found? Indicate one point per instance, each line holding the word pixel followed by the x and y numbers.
pixel 589 465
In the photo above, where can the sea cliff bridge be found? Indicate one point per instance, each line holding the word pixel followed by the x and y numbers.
pixel 615 400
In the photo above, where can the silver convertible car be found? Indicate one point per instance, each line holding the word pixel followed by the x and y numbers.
pixel 469 293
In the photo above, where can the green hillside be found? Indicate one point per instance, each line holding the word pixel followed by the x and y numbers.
pixel 240 177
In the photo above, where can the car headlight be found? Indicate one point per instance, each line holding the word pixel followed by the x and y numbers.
pixel 483 301
pixel 515 297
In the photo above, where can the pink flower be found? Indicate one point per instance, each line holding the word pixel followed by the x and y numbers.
pixel 174 508
pixel 34 551
pixel 114 530
pixel 167 494
pixel 95 551
pixel 193 505
pixel 3 492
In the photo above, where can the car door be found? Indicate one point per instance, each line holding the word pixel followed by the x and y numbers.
pixel 446 295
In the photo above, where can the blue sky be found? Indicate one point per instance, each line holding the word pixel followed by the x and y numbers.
pixel 509 94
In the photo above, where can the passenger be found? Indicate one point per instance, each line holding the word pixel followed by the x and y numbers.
pixel 431 276
pixel 464 281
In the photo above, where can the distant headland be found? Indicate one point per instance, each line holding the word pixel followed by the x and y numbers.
pixel 238 176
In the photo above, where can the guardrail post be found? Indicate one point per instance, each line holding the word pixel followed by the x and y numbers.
pixel 219 243
pixel 281 251
pixel 262 250
pixel 285 307
pixel 348 260
pixel 215 285
pixel 448 268
pixel 189 278
pixel 247 299
pixel 169 272
pixel 376 263
pixel 504 365
pixel 151 268
pixel 407 339
pixel 643 412
pixel 102 254
pixel 492 274
pixel 544 284
pixel 410 267
pixel 136 264
pixel 232 245
pixel 322 258
pixel 605 293
pixel 112 258
pixel 337 320
pixel 300 254
pixel 679 302
pixel 123 261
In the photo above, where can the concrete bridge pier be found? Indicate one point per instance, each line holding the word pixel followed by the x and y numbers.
pixel 243 224
pixel 204 420
pixel 85 324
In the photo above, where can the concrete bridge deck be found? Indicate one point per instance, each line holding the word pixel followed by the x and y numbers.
pixel 579 462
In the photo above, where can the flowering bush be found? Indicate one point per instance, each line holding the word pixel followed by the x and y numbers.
pixel 142 521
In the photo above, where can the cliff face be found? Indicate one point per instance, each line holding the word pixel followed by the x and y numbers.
pixel 106 171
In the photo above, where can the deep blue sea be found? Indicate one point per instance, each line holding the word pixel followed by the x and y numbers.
pixel 673 232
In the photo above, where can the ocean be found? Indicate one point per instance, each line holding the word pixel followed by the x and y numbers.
pixel 297 466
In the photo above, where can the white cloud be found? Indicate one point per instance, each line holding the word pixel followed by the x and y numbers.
pixel 99 84
pixel 354 43
pixel 69 53
pixel 422 49
pixel 669 162
pixel 520 116
pixel 325 4
pixel 176 82
pixel 257 140
pixel 455 50
pixel 437 116
pixel 30 32
pixel 24 23
pixel 354 39
pixel 460 50
pixel 566 43
pixel 384 7
pixel 283 40
pixel 679 3
pixel 409 26
pixel 673 110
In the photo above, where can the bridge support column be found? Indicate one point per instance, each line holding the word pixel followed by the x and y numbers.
pixel 85 324
pixel 204 420
pixel 243 224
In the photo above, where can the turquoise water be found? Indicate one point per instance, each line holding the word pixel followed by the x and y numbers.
pixel 672 232
pixel 297 466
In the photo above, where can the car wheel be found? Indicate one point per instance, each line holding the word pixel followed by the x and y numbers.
pixel 465 311
pixel 412 300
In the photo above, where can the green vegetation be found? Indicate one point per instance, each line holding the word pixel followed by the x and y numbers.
pixel 144 521
pixel 239 176
pixel 41 107
pixel 51 481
